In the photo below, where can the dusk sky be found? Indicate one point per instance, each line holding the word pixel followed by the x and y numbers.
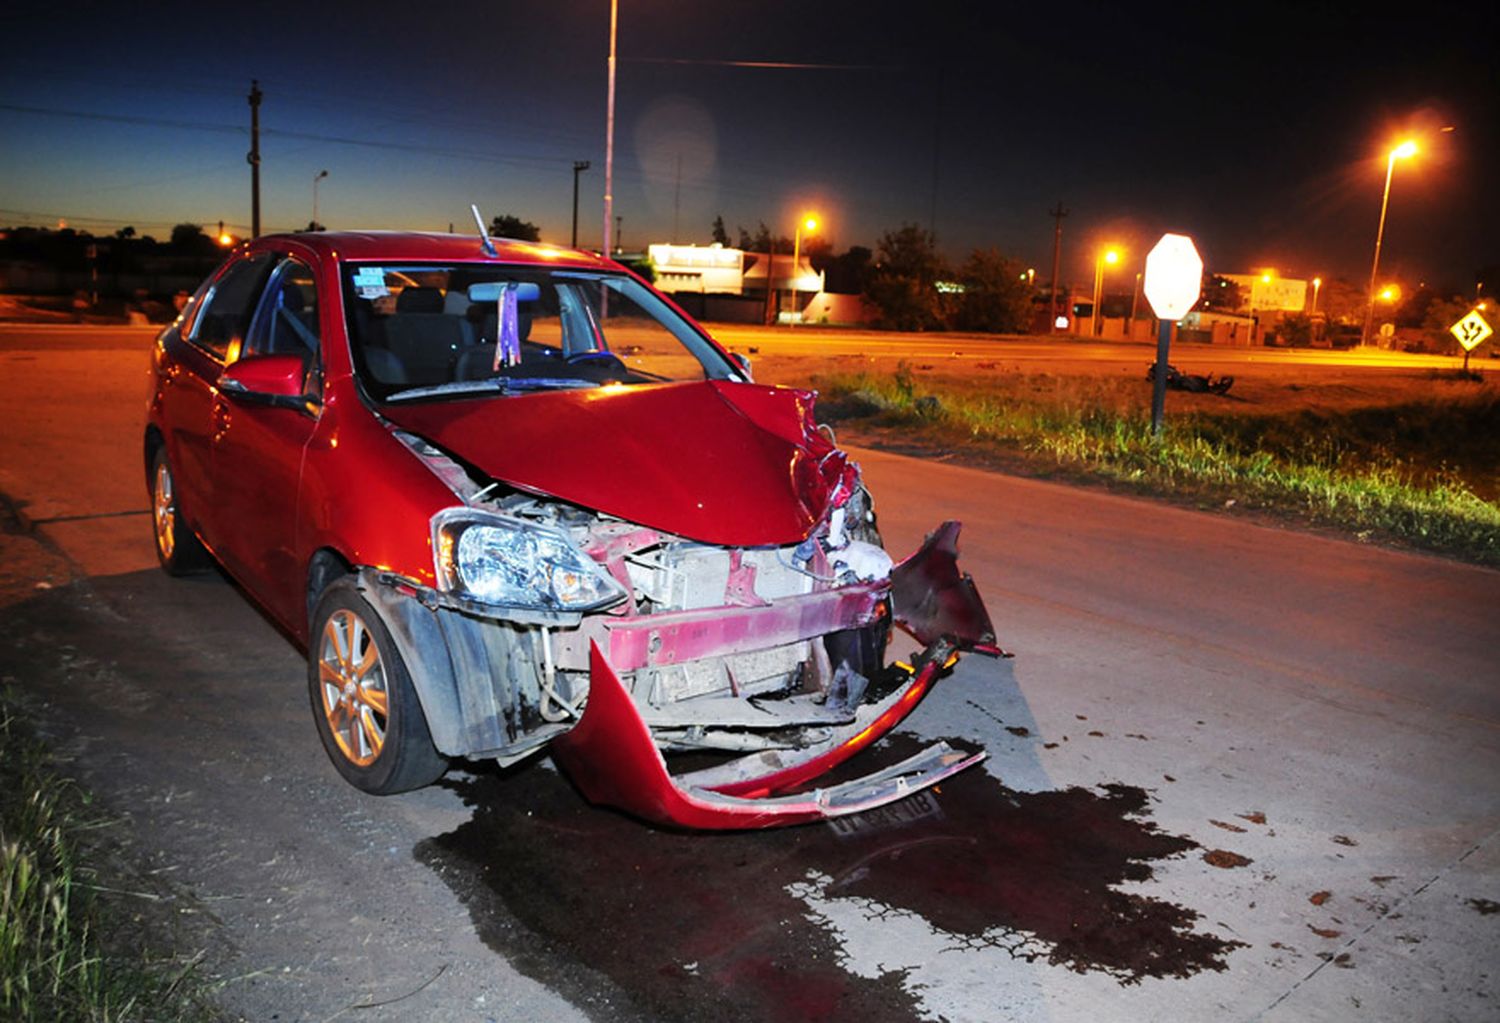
pixel 1260 129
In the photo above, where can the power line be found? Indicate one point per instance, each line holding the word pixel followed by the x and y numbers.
pixel 341 140
pixel 308 96
pixel 771 65
pixel 161 122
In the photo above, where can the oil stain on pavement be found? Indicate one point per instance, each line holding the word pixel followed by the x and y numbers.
pixel 629 920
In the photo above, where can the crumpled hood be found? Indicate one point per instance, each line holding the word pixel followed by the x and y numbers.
pixel 721 463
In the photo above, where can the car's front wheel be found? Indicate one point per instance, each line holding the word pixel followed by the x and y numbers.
pixel 367 712
pixel 177 548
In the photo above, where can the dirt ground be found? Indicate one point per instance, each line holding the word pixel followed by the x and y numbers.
pixel 1260 388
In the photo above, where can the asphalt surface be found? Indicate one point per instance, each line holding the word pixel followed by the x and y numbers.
pixel 1235 771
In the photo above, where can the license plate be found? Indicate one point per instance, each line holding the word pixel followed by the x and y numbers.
pixel 921 806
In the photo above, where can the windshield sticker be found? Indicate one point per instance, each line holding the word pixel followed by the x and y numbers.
pixel 369 282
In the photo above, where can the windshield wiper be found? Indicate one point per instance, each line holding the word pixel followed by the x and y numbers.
pixel 503 385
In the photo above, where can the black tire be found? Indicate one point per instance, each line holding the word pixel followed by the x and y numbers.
pixel 366 710
pixel 178 548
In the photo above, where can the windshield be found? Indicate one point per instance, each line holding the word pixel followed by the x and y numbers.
pixel 423 332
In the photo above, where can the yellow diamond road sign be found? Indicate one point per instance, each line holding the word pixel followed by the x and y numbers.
pixel 1471 330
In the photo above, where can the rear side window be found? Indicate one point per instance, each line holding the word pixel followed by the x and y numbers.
pixel 227 310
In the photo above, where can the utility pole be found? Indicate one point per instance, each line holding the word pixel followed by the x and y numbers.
pixel 937 148
pixel 315 226
pixel 1056 213
pixel 618 220
pixel 579 166
pixel 253 157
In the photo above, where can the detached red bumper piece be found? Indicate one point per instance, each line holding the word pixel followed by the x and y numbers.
pixel 611 756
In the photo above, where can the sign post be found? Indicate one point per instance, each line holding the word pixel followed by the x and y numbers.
pixel 1471 332
pixel 1173 279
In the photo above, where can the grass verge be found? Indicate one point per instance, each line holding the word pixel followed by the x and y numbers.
pixel 1374 472
pixel 54 963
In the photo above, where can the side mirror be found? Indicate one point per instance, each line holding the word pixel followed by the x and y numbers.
pixel 743 362
pixel 268 379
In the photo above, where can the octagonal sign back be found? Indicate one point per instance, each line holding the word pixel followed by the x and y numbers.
pixel 1174 276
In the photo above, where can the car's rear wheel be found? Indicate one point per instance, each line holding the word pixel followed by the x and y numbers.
pixel 177 548
pixel 367 712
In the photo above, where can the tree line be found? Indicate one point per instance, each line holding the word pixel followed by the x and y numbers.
pixel 909 282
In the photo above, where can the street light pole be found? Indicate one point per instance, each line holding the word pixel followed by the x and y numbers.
pixel 811 224
pixel 1405 149
pixel 578 167
pixel 609 131
pixel 1135 296
pixel 314 226
pixel 1105 256
pixel 770 276
pixel 1317 286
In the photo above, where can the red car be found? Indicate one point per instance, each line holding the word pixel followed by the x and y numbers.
pixel 511 498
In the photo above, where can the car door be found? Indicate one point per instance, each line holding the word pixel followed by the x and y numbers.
pixel 258 446
pixel 208 339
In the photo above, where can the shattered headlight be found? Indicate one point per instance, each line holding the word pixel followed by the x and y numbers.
pixel 496 559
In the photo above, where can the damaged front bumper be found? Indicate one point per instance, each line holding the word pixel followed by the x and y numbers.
pixel 486 684
pixel 611 754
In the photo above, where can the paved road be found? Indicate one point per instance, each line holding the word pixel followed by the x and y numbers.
pixel 1236 772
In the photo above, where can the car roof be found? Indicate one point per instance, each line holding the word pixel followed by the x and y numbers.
pixel 425 247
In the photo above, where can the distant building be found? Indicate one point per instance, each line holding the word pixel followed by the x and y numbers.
pixel 704 269
pixel 1270 293
pixel 719 271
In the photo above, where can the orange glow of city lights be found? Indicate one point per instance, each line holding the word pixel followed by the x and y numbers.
pixel 1111 256
pixel 226 239
pixel 1405 149
pixel 810 224
pixel 1390 293
pixel 1265 278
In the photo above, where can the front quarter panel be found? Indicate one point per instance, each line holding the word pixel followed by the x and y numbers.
pixel 365 495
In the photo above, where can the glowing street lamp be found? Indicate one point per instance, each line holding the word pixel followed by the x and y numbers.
pixel 810 224
pixel 1401 152
pixel 1110 256
pixel 1317 286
